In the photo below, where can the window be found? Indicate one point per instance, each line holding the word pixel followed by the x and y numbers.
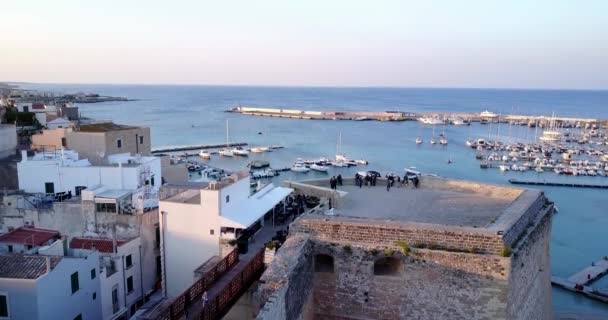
pixel 78 317
pixel 157 231
pixel 324 263
pixel 10 248
pixel 130 284
pixel 94 295
pixel 29 247
pixel 64 142
pixel 211 232
pixel 128 262
pixel 79 189
pixel 115 306
pixel 227 198
pixel 141 139
pixel 152 180
pixel 75 284
pixel 3 305
pixel 106 207
pixel 49 187
pixel 93 273
pixel 119 143
pixel 387 266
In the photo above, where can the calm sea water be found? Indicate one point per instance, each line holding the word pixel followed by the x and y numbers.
pixel 187 115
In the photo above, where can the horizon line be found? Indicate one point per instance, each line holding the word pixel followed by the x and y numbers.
pixel 306 86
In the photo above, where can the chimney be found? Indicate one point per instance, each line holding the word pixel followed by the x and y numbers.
pixel 48 264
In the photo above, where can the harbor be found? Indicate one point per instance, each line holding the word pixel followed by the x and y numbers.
pixel 580 282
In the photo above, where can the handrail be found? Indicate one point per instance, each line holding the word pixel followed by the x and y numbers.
pixel 176 309
pixel 216 305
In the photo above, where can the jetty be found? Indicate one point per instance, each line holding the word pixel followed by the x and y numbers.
pixel 362 115
pixel 559 184
pixel 580 281
pixel 197 147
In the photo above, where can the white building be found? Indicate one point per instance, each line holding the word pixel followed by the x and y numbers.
pixel 59 123
pixel 63 171
pixel 120 276
pixel 8 140
pixel 48 282
pixel 195 217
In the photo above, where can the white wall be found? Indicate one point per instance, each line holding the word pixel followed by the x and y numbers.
pixel 238 191
pixel 33 175
pixel 186 242
pixel 55 297
pixel 8 140
pixel 106 286
pixel 22 298
pixel 132 248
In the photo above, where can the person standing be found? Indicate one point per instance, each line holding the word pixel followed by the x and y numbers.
pixel 388 185
pixel 339 179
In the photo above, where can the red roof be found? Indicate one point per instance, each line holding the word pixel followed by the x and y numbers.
pixel 30 236
pixel 100 244
pixel 38 106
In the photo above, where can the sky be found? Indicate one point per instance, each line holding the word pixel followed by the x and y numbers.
pixel 426 43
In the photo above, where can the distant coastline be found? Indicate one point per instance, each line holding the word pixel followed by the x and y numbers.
pixel 31 96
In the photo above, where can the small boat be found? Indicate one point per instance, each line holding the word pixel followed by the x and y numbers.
pixel 204 154
pixel 503 168
pixel 360 161
pixel 239 151
pixel 299 167
pixel 432 141
pixel 339 164
pixel 539 169
pixel 226 153
pixel 318 167
pixel 418 140
pixel 443 141
pixel 471 143
pixel 259 149
pixel 258 164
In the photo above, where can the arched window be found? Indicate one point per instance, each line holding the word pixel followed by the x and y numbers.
pixel 387 266
pixel 324 263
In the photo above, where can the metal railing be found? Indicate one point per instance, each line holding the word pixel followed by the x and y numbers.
pixel 176 309
pixel 216 306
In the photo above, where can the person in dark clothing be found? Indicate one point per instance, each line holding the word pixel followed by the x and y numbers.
pixel 332 181
pixel 416 181
pixel 388 185
pixel 187 306
pixel 339 179
pixel 374 180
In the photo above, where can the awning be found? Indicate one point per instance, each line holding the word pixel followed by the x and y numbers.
pixel 244 214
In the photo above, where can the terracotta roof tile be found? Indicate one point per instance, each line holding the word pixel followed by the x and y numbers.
pixel 29 236
pixel 20 266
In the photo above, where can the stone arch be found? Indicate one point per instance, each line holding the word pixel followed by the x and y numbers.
pixel 387 266
pixel 324 263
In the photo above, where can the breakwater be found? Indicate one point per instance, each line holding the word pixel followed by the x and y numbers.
pixel 360 115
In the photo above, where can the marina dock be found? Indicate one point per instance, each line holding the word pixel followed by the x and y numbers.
pixel 580 281
pixel 197 147
pixel 559 184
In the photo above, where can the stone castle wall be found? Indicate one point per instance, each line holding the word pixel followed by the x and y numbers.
pixel 430 285
pixel 530 273
pixel 387 234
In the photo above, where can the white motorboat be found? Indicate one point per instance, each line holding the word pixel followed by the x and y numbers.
pixel 226 153
pixel 443 141
pixel 430 120
pixel 418 140
pixel 339 164
pixel 318 167
pixel 259 149
pixel 487 114
pixel 503 168
pixel 457 122
pixel 204 154
pixel 432 141
pixel 361 161
pixel 539 169
pixel 238 151
pixel 481 142
pixel 471 143
pixel 299 167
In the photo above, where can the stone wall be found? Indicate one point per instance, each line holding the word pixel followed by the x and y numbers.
pixel 286 285
pixel 430 285
pixel 519 215
pixel 387 234
pixel 530 273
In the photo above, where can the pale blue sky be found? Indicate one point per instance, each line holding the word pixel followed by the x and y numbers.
pixel 480 43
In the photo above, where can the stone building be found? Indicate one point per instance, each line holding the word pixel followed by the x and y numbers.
pixel 446 250
pixel 98 140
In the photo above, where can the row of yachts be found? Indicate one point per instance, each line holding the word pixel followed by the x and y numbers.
pixel 237 151
pixel 323 164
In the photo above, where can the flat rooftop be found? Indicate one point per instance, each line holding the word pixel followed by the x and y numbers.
pixel 436 201
pixel 104 127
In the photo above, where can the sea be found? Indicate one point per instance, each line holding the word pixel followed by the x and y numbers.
pixel 195 115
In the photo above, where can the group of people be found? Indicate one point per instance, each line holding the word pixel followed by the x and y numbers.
pixel 335 181
pixel 368 180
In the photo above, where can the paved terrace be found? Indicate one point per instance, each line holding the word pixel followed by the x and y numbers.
pixel 435 201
